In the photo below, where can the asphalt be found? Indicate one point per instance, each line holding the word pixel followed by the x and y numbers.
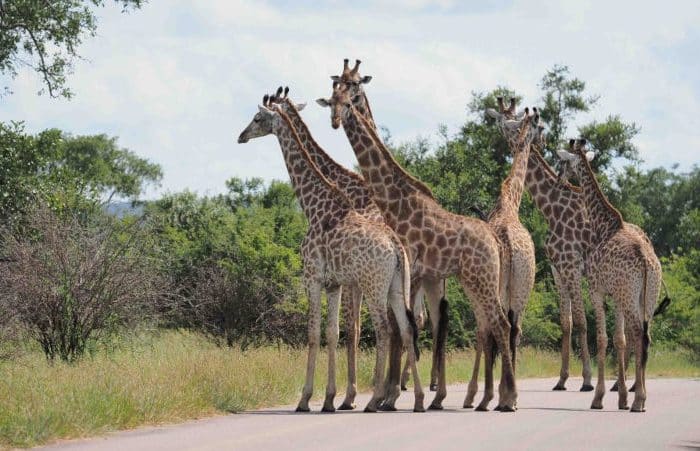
pixel 544 420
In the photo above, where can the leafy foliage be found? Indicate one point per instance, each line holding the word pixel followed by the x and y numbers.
pixel 45 36
pixel 69 172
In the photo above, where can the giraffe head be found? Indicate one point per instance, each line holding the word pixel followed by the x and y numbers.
pixel 340 102
pixel 571 162
pixel 513 124
pixel 352 77
pixel 263 122
pixel 285 103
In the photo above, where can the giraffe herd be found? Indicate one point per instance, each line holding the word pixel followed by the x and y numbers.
pixel 383 237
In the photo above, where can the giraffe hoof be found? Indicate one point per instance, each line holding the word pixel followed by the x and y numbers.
pixel 498 408
pixel 369 409
pixel 468 406
pixel 505 409
pixel 481 408
pixel 434 406
pixel 328 409
pixel 419 408
pixel 433 387
pixel 596 406
pixel 387 408
pixel 403 388
pixel 623 407
pixel 638 410
pixel 346 406
pixel 559 387
pixel 302 409
pixel 586 387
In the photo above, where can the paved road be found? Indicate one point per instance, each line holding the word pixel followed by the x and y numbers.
pixel 545 420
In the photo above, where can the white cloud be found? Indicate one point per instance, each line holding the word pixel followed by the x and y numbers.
pixel 178 81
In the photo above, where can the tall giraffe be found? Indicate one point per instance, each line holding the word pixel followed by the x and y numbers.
pixel 440 243
pixel 568 234
pixel 342 248
pixel 352 79
pixel 518 263
pixel 355 189
pixel 623 265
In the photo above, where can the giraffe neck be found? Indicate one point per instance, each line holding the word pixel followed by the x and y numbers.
pixel 352 184
pixel 508 203
pixel 365 110
pixel 605 219
pixel 548 191
pixel 320 200
pixel 385 178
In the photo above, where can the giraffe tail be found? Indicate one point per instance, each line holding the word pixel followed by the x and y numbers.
pixel 406 279
pixel 441 338
pixel 646 338
pixel 479 212
pixel 663 306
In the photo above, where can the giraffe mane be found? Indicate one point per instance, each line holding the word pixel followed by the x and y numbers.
pixel 617 216
pixel 337 193
pixel 340 167
pixel 413 181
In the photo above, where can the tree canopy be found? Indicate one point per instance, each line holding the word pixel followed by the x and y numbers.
pixel 45 36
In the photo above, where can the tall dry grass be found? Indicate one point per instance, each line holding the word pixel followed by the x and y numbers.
pixel 174 376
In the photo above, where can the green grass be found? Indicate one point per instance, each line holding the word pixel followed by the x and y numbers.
pixel 175 376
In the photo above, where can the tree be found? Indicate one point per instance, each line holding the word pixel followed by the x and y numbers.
pixel 80 172
pixel 45 35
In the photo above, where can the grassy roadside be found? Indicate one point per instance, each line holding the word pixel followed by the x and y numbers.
pixel 175 376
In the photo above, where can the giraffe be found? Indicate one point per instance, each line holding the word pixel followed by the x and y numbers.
pixel 518 263
pixel 353 79
pixel 341 248
pixel 566 245
pixel 355 189
pixel 439 243
pixel 620 264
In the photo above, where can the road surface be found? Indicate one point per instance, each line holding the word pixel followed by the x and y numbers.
pixel 544 420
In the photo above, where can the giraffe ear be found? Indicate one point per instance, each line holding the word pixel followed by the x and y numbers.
pixel 492 113
pixel 335 78
pixel 323 102
pixel 300 106
pixel 590 155
pixel 264 111
pixel 565 155
pixel 366 79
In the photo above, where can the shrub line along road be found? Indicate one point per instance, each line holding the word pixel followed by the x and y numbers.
pixel 545 420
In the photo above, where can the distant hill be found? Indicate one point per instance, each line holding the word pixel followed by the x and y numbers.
pixel 121 209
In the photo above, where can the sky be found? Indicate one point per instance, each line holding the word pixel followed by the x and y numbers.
pixel 177 81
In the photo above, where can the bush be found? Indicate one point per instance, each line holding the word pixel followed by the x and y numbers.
pixel 66 281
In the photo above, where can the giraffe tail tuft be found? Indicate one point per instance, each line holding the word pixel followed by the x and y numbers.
pixel 442 327
pixel 414 330
pixel 646 341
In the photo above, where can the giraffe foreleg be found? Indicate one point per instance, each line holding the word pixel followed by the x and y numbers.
pixel 381 327
pixel 314 337
pixel 333 295
pixel 565 321
pixel 573 287
pixel 597 299
pixel 351 302
pixel 438 307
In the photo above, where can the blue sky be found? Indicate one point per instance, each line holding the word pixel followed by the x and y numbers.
pixel 177 81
